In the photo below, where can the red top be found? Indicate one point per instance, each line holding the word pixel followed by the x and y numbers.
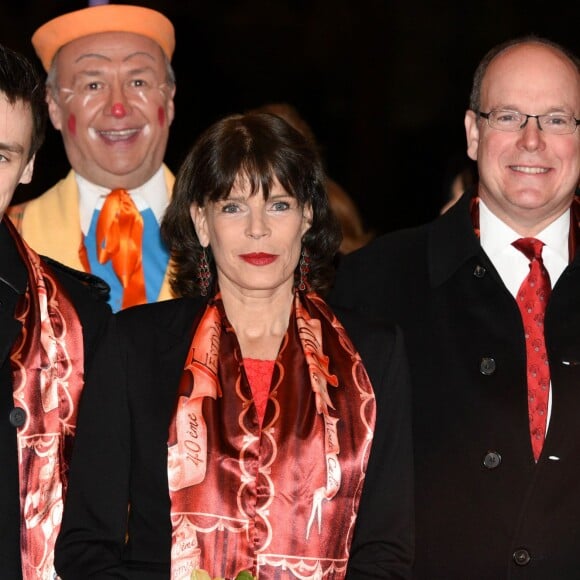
pixel 259 373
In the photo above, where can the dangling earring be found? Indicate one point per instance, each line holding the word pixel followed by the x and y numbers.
pixel 203 273
pixel 304 270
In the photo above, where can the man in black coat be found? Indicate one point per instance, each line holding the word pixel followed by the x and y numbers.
pixel 497 496
pixel 50 320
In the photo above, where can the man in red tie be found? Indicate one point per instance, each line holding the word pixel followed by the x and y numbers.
pixel 110 89
pixel 488 297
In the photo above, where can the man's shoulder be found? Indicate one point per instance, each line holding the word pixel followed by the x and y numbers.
pixel 174 316
pixel 405 238
pixel 408 245
pixel 365 329
pixel 393 250
pixel 388 271
pixel 83 286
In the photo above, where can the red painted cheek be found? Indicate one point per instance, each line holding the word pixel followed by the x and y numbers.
pixel 72 125
pixel 161 116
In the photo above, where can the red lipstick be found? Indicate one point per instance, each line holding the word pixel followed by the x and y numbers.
pixel 259 258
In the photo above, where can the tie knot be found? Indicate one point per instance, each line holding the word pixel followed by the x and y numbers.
pixel 530 247
pixel 116 195
pixel 120 241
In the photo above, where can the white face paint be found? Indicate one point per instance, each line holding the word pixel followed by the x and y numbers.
pixel 117 109
pixel 68 94
pixel 87 100
pixel 142 96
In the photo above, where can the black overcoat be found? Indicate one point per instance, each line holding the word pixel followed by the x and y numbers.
pixel 85 292
pixel 484 509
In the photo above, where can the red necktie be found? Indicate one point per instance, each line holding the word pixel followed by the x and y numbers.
pixel 532 300
pixel 119 239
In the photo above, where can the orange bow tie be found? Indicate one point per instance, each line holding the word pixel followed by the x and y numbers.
pixel 119 239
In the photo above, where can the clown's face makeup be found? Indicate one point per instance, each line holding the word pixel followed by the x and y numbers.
pixel 113 106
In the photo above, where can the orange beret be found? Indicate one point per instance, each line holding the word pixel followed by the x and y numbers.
pixel 104 18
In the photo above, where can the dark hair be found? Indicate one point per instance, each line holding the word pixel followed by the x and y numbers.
pixel 261 147
pixel 475 96
pixel 354 234
pixel 20 81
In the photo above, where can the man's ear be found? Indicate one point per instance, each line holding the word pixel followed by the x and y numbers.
pixel 26 176
pixel 472 134
pixel 54 111
pixel 199 220
pixel 171 106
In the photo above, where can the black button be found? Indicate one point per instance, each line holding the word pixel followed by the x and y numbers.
pixel 522 557
pixel 479 272
pixel 487 366
pixel 17 417
pixel 492 459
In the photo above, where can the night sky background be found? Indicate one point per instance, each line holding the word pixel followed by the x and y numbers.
pixel 383 84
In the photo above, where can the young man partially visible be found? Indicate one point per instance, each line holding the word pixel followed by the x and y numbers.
pixel 50 320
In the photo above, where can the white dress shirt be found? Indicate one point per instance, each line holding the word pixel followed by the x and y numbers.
pixel 92 197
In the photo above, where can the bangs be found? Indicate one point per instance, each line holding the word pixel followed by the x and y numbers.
pixel 255 174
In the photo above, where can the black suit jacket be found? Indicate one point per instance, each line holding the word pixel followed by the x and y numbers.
pixel 93 312
pixel 121 452
pixel 484 509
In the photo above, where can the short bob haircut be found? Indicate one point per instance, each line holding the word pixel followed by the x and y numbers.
pixel 259 147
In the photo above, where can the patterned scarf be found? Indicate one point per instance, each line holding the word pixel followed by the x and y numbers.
pixel 47 365
pixel 278 501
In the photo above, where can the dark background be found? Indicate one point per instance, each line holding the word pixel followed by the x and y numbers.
pixel 383 84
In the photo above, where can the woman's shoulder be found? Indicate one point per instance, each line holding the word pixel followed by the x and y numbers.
pixel 165 315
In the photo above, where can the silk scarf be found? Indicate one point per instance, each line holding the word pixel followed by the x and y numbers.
pixel 47 366
pixel 278 501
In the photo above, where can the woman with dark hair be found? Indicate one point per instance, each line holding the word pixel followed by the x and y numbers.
pixel 245 429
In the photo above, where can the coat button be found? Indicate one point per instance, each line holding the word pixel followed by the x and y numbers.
pixel 17 417
pixel 479 271
pixel 522 557
pixel 487 365
pixel 492 459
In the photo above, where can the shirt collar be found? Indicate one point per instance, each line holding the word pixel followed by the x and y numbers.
pixel 91 197
pixel 495 235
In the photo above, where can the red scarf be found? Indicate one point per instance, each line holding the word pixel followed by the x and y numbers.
pixel 278 500
pixel 47 365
